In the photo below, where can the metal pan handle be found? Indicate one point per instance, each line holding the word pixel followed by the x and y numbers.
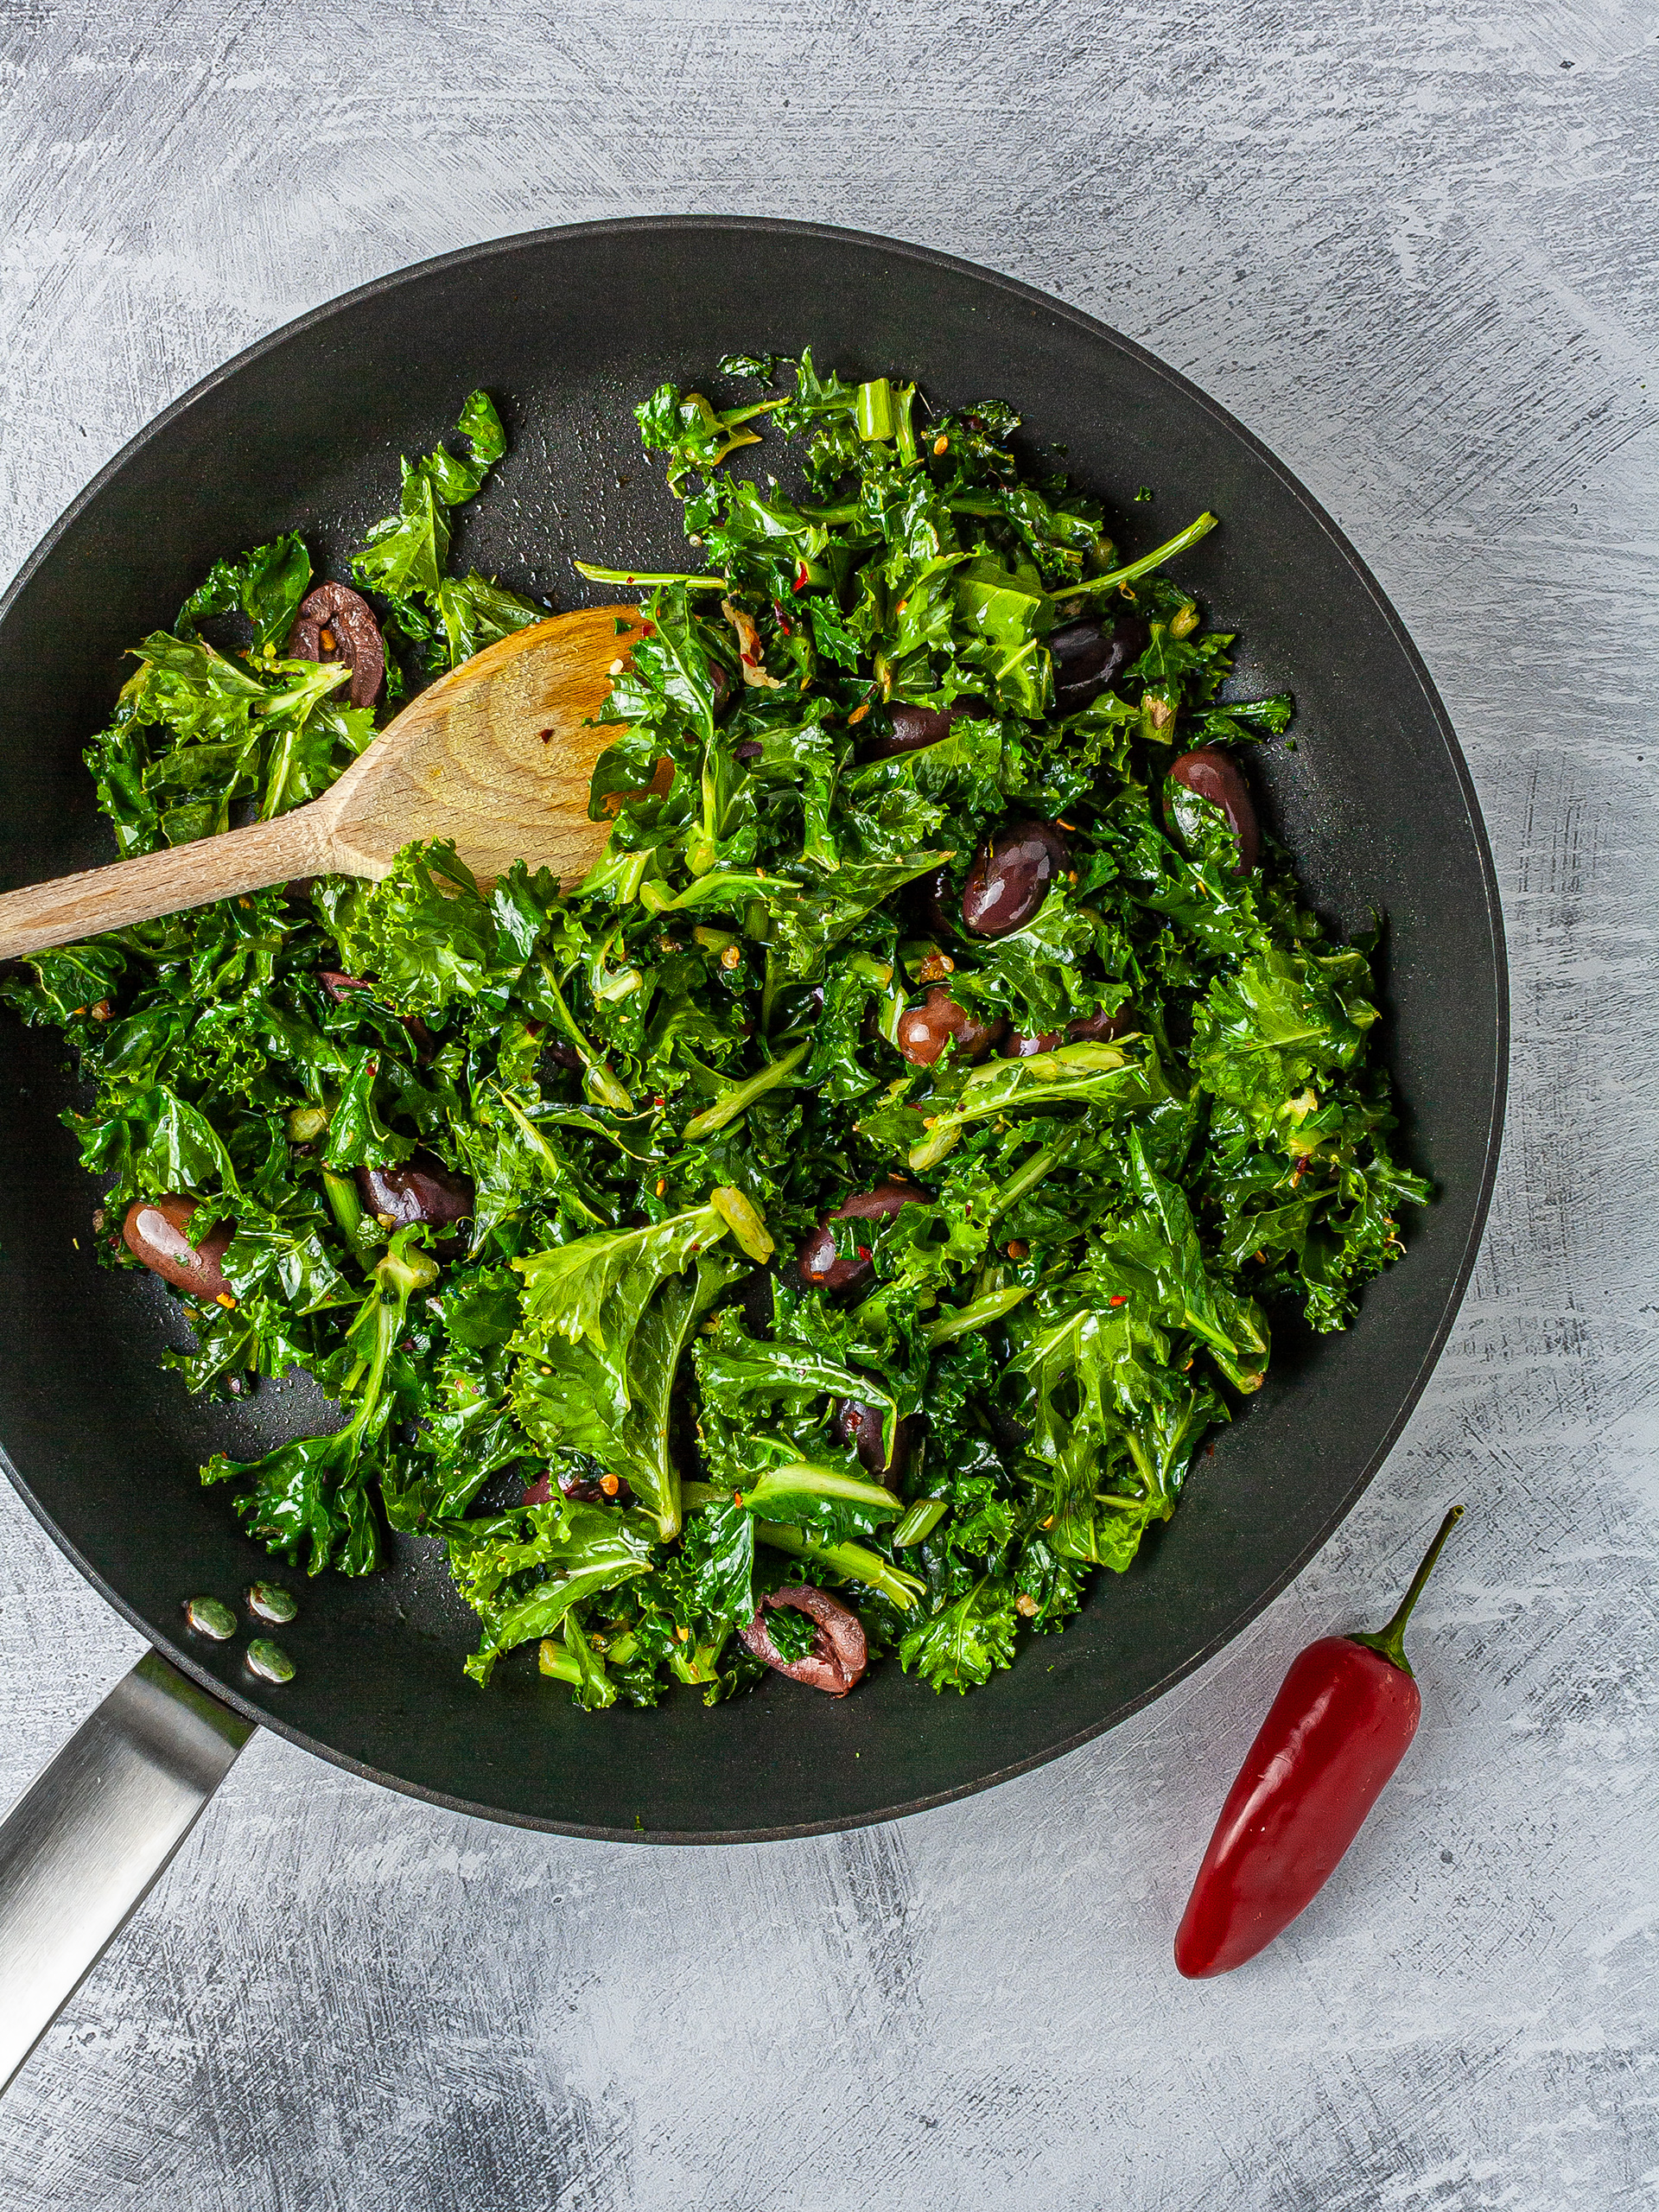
pixel 80 1848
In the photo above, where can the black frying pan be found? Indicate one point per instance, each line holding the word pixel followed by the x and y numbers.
pixel 568 328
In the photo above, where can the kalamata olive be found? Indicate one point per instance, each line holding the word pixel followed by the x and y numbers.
pixel 750 749
pixel 335 623
pixel 1010 876
pixel 1090 655
pixel 562 1054
pixel 924 1031
pixel 1017 1046
pixel 1087 1029
pixel 1100 1028
pixel 423 1190
pixel 155 1232
pixel 337 985
pixel 818 1259
pixel 930 903
pixel 911 728
pixel 861 1425
pixel 1210 774
pixel 723 687
pixel 840 1652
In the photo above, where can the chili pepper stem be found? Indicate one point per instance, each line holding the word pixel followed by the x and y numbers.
pixel 1390 1640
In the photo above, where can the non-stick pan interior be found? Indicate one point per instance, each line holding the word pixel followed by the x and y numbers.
pixel 568 329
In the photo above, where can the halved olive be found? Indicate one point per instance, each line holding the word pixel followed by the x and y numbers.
pixel 840 1651
pixel 335 623
pixel 1087 1029
pixel 911 728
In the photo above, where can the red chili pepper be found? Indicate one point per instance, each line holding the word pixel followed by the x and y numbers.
pixel 1340 1725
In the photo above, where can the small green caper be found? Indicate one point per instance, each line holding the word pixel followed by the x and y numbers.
pixel 270 1661
pixel 208 1617
pixel 269 1601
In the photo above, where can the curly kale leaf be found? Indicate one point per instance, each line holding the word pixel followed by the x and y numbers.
pixel 314 1496
pixel 523 1585
pixel 265 584
pixel 404 555
pixel 606 1320
pixel 961 1645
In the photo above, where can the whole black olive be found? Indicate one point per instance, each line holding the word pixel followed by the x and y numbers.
pixel 911 728
pixel 1210 775
pixel 860 1426
pixel 154 1231
pixel 1010 876
pixel 423 1190
pixel 925 1030
pixel 1016 1046
pixel 931 904
pixel 1087 1029
pixel 817 1258
pixel 1099 1029
pixel 1090 656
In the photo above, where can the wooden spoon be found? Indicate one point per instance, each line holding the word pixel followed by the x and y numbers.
pixel 495 755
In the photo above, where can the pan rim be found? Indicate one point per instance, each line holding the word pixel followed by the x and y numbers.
pixel 1022 296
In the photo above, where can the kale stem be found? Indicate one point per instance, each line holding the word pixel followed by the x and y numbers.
pixel 344 1204
pixel 732 1103
pixel 1027 1178
pixel 649 579
pixel 729 417
pixel 919 1522
pixel 851 1562
pixel 976 1313
pixel 1166 551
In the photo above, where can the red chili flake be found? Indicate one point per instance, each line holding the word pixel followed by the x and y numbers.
pixel 748 660
pixel 647 629
pixel 802 576
pixel 1118 1297
pixel 627 579
pixel 863 1251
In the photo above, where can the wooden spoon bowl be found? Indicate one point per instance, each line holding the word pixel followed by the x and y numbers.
pixel 497 755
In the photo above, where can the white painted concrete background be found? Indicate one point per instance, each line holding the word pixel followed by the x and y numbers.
pixel 1412 248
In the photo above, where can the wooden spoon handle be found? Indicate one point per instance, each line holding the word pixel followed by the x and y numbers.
pixel 100 898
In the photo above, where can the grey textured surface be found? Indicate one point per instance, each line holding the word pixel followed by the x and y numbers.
pixel 1414 252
